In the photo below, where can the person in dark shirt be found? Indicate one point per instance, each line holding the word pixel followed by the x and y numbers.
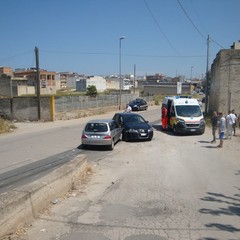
pixel 214 121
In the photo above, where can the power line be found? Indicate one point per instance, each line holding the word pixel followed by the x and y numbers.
pixel 116 54
pixel 76 52
pixel 190 20
pixel 159 27
pixel 185 12
pixel 16 55
pixel 217 43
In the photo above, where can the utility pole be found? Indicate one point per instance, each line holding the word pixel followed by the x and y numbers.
pixel 120 69
pixel 38 83
pixel 134 78
pixel 191 73
pixel 207 77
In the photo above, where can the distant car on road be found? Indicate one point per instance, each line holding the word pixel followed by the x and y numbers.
pixel 134 126
pixel 138 104
pixel 101 133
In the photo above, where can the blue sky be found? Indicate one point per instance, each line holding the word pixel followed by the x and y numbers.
pixel 161 36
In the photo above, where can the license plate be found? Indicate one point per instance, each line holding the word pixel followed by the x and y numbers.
pixel 192 130
pixel 94 136
pixel 143 134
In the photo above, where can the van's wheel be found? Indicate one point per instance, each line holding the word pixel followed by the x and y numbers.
pixel 175 132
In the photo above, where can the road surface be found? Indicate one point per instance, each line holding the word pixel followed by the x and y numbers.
pixel 174 187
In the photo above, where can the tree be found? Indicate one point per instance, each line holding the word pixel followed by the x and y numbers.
pixel 91 90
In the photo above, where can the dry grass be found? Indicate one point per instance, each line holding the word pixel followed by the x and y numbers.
pixel 18 235
pixel 6 126
pixel 83 178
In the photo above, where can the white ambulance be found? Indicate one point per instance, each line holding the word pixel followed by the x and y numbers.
pixel 184 115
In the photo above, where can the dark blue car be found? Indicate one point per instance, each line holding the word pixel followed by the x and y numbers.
pixel 134 126
pixel 138 105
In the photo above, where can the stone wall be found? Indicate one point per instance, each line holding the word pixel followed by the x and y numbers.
pixel 225 82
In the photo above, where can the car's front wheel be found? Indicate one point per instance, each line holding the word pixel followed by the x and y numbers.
pixel 123 137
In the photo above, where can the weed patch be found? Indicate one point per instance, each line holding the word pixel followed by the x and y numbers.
pixel 6 126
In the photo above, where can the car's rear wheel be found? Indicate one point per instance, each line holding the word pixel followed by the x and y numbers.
pixel 111 147
pixel 84 146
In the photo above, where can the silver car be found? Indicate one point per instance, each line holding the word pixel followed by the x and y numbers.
pixel 101 133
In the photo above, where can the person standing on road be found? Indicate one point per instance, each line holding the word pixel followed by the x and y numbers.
pixel 214 120
pixel 238 120
pixel 128 109
pixel 235 120
pixel 221 129
pixel 164 117
pixel 231 121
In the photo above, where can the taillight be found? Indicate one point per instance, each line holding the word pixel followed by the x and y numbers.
pixel 107 137
pixel 84 136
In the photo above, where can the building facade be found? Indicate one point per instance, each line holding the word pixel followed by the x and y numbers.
pixel 6 71
pixel 83 83
pixel 225 80
pixel 47 79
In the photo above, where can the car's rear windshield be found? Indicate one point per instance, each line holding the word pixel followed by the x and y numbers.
pixel 136 101
pixel 135 119
pixel 96 127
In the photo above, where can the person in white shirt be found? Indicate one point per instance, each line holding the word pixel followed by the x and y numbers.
pixel 128 109
pixel 235 123
pixel 221 129
pixel 231 121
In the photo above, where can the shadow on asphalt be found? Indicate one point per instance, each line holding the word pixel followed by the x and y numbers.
pixel 204 141
pixel 94 148
pixel 228 206
pixel 170 132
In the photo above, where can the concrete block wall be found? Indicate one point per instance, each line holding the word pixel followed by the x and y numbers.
pixel 165 89
pixel 64 107
pixel 26 108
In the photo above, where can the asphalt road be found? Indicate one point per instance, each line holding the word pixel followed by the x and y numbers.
pixel 174 187
pixel 36 148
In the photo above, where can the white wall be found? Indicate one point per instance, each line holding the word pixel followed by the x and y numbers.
pixel 99 82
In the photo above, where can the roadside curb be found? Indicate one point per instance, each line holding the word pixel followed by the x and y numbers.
pixel 22 205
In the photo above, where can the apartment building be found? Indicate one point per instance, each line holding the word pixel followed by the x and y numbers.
pixel 6 70
pixel 47 79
